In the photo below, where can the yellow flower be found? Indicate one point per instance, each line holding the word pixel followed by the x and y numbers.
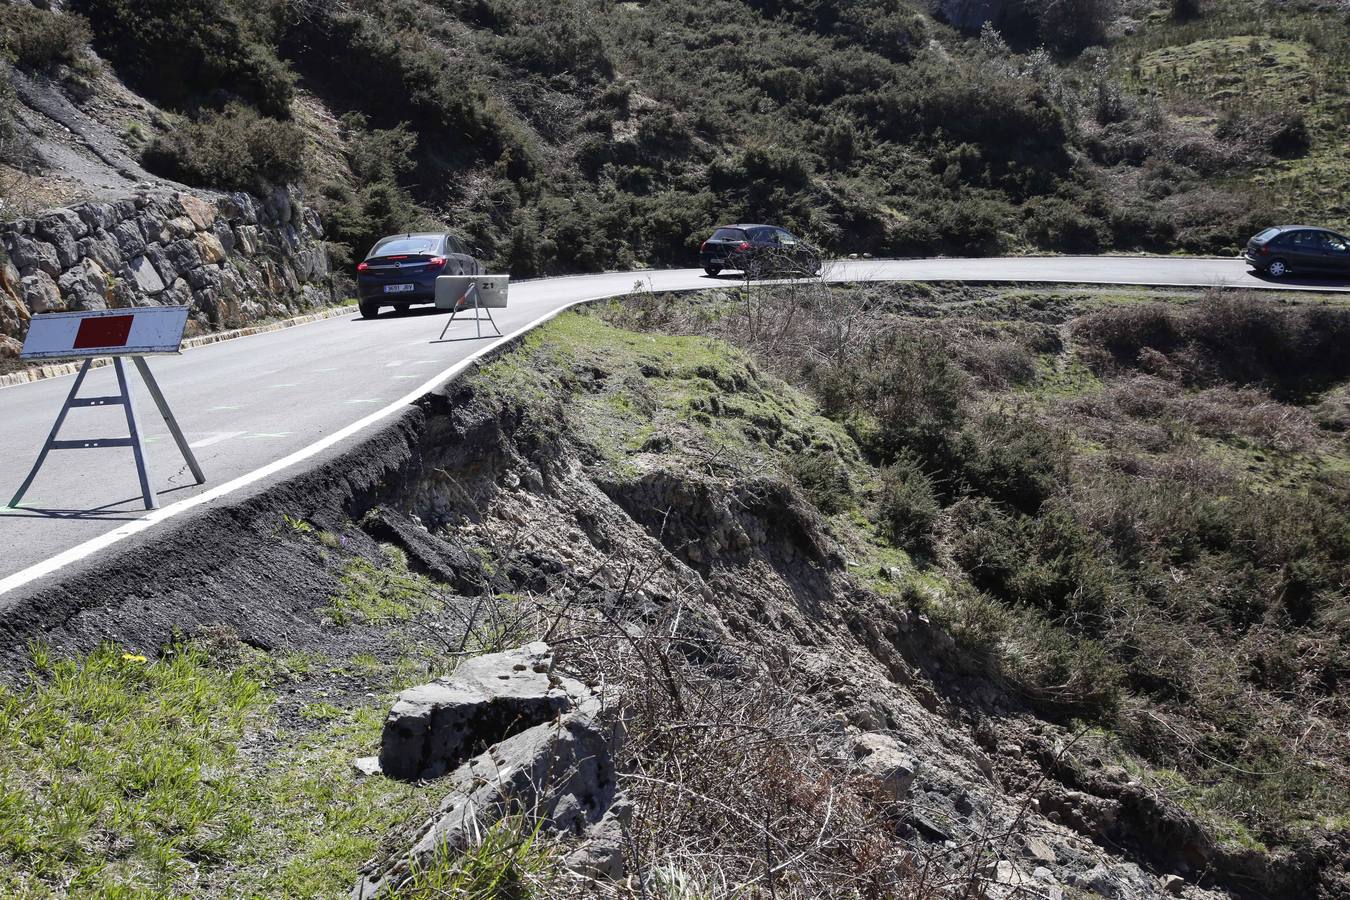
pixel 133 657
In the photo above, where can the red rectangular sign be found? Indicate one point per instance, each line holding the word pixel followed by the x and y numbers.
pixel 104 331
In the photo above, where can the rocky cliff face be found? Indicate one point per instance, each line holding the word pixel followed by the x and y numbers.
pixel 233 259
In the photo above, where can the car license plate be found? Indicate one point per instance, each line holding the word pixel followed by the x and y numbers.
pixel 398 288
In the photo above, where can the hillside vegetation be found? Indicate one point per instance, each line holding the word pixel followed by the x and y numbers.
pixel 1128 510
pixel 592 133
pixel 1079 552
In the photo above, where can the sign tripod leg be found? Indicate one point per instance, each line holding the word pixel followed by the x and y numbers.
pixel 153 386
pixel 51 437
pixel 454 312
pixel 134 438
pixel 133 426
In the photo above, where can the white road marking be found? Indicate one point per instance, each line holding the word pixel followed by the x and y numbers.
pixel 215 439
pixel 173 510
pixel 393 365
pixel 267 434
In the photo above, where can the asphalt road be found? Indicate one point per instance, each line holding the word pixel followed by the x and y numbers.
pixel 259 406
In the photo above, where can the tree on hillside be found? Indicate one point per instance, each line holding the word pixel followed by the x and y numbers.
pixel 1185 10
pixel 1071 26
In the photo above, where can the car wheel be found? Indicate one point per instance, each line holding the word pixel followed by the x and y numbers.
pixel 1278 268
pixel 369 310
pixel 712 270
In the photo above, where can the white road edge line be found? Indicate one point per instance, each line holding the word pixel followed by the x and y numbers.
pixel 151 519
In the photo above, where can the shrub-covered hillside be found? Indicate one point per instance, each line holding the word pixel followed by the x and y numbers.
pixel 1128 509
pixel 592 133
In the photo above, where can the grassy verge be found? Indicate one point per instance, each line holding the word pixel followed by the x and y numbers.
pixel 208 770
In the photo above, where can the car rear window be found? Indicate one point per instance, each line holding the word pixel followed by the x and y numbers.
pixel 1266 235
pixel 728 234
pixel 408 245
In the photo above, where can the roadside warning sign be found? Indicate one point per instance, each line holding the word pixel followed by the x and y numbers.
pixel 118 333
pixel 140 331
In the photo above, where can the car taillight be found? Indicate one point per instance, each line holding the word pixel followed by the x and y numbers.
pixel 1264 249
pixel 436 262
pixel 361 266
pixel 703 246
pixel 743 245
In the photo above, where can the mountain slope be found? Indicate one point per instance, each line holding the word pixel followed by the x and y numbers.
pixel 599 134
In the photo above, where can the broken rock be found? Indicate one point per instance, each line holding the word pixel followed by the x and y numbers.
pixel 601 854
pixel 887 761
pixel 561 773
pixel 435 727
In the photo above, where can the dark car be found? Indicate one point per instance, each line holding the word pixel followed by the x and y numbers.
pixel 1299 250
pixel 401 270
pixel 758 248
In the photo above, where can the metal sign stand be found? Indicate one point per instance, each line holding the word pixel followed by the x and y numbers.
pixel 477 310
pixel 124 399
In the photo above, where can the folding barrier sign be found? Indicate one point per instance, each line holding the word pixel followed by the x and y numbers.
pixel 482 293
pixel 135 333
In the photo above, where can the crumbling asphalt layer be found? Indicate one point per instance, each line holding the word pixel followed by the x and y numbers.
pixel 223 565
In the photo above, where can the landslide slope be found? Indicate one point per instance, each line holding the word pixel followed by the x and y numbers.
pixel 777 596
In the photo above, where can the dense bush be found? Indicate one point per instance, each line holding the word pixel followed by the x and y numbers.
pixel 1012 457
pixel 1242 339
pixel 974 225
pixel 969 102
pixel 910 392
pixel 888 27
pixel 394 73
pixel 37 38
pixel 1070 26
pixel 1185 10
pixel 236 149
pixel 1052 222
pixel 189 52
pixel 1282 133
pixel 539 40
pixel 825 480
pixel 372 204
pixel 907 506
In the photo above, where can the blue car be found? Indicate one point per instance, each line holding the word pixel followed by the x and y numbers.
pixel 401 270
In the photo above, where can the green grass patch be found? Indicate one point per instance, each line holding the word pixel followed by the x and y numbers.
pixel 385 592
pixel 120 775
pixel 635 398
pixel 126 776
pixel 505 865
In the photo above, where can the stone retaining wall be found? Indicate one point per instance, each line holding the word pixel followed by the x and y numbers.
pixel 234 260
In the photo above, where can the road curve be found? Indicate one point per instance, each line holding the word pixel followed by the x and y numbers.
pixel 257 407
